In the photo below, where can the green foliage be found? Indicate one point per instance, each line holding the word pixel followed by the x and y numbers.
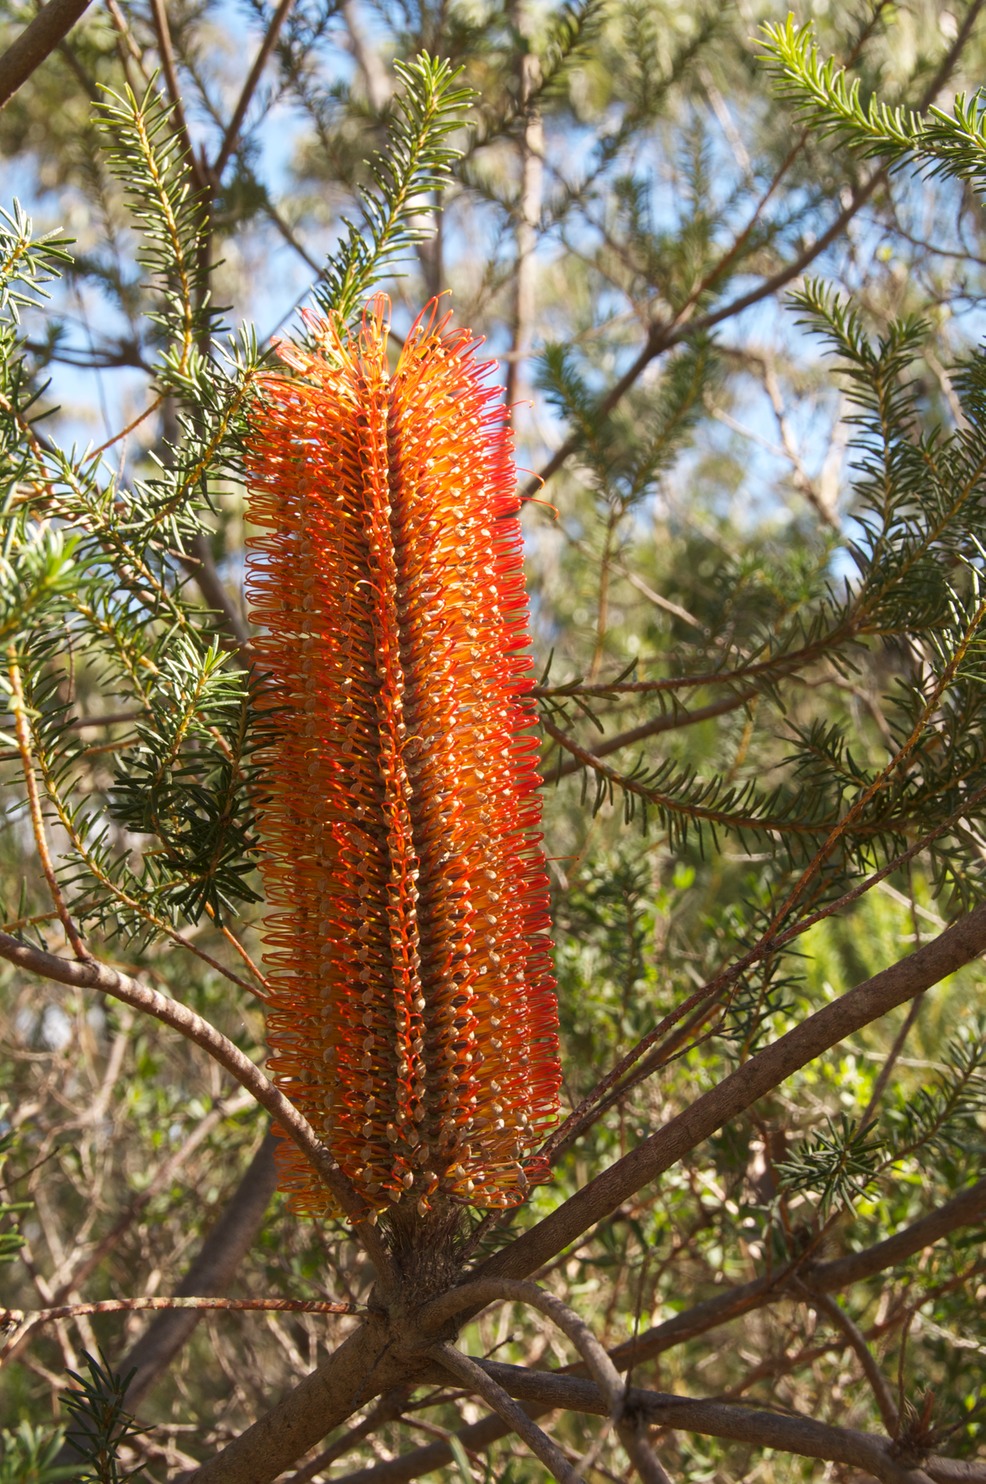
pixel 947 144
pixel 33 560
pixel 936 1124
pixel 27 263
pixel 627 452
pixel 99 1423
pixel 920 504
pixel 146 153
pixel 837 1164
pixel 183 780
pixel 417 162
pixel 176 504
pixel 187 784
pixel 572 31
pixel 81 556
pixel 943 1120
pixel 37 571
pixel 28 1453
pixel 609 984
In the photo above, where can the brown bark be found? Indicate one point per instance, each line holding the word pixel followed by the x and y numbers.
pixel 966 1209
pixel 957 945
pixel 369 1362
pixel 803 1436
pixel 50 26
pixel 364 1366
pixel 798 1435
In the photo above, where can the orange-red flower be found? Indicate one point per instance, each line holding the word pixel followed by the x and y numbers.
pixel 412 1016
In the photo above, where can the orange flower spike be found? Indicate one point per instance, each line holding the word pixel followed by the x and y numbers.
pixel 413 1017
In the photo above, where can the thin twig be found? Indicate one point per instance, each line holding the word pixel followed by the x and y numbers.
pixel 826 1304
pixel 593 1352
pixel 378 85
pixel 23 734
pixel 531 147
pixel 162 31
pixel 127 48
pixel 25 1322
pixel 477 1379
pixel 135 423
pixel 108 719
pixel 237 947
pixel 232 136
pixel 164 1173
pixel 886 1070
pixel 670 721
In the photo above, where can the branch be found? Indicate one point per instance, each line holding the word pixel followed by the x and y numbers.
pixel 670 802
pixel 967 1209
pixel 303 1410
pixel 530 200
pixel 798 1435
pixel 25 55
pixel 823 1303
pixel 22 732
pixel 617 1083
pixel 956 946
pixel 669 721
pixel 363 1366
pixel 232 136
pixel 26 1321
pixel 162 32
pixel 234 630
pixel 593 1352
pixel 89 974
pixel 545 1391
pixel 477 1379
pixel 367 57
pixel 389 1408
pixel 127 49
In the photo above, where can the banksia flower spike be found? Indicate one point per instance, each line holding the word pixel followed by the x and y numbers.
pixel 412 1015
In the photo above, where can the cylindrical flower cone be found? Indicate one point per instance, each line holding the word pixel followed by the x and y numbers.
pixel 413 1017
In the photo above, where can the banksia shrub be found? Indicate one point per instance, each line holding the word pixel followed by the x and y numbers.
pixel 412 1015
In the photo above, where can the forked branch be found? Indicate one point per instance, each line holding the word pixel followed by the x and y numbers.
pixel 593 1352
pixel 472 1375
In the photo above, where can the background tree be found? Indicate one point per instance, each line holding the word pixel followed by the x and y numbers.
pixel 740 288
